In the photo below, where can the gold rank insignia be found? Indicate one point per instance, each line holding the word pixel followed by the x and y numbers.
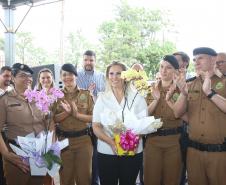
pixel 219 85
pixel 175 96
pixel 83 97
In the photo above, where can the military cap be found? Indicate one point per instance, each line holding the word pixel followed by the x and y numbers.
pixel 172 60
pixel 69 68
pixel 22 67
pixel 204 50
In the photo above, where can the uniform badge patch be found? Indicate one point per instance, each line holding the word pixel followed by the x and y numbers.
pixel 175 96
pixel 219 85
pixel 83 97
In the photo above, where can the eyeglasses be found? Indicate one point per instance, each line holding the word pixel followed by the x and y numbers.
pixel 23 75
pixel 220 62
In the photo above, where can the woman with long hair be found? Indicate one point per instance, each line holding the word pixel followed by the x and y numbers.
pixel 117 98
pixel 45 81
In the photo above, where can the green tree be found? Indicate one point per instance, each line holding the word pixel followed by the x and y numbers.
pixel 27 53
pixel 23 46
pixel 75 45
pixel 136 33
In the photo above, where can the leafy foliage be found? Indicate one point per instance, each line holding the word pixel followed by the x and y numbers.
pixel 27 53
pixel 136 34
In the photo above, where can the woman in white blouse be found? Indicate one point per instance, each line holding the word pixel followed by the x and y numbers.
pixel 120 100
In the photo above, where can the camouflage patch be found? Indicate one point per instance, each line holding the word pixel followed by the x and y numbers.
pixel 175 96
pixel 219 85
pixel 83 97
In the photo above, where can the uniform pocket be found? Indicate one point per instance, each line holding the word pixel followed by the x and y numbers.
pixel 82 107
pixel 15 107
pixel 193 96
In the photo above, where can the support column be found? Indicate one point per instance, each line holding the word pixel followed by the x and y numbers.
pixel 9 36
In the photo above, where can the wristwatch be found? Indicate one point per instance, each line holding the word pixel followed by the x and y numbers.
pixel 210 95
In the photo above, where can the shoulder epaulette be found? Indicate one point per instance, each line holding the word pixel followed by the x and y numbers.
pixel 6 92
pixel 191 79
pixel 83 89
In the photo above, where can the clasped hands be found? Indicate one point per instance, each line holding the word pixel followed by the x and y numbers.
pixel 70 109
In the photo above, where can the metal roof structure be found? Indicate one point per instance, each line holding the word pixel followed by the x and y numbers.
pixel 15 3
pixel 9 7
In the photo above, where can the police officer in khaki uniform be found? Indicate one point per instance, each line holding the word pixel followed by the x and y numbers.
pixel 221 62
pixel 5 79
pixel 162 155
pixel 21 118
pixel 204 99
pixel 72 114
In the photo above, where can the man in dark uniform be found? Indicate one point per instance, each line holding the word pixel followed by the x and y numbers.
pixel 204 99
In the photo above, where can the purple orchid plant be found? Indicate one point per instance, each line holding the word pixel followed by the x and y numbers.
pixel 43 100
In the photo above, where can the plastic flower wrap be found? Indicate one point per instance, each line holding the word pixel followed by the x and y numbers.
pixel 43 157
pixel 126 134
pixel 126 141
pixel 139 79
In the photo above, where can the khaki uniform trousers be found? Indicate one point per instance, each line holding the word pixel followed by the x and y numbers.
pixel 77 165
pixel 206 168
pixel 162 160
pixel 15 176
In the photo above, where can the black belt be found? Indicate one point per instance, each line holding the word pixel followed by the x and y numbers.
pixel 11 141
pixel 207 147
pixel 168 131
pixel 79 133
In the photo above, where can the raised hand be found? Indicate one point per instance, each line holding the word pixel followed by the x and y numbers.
pixel 74 109
pixel 179 80
pixel 170 91
pixel 155 91
pixel 206 86
pixel 91 87
pixel 66 106
pixel 183 71
pixel 217 72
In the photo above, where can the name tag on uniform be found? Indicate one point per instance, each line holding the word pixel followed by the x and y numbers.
pixel 193 91
pixel 15 105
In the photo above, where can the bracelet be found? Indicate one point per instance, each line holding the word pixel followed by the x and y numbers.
pixel 210 95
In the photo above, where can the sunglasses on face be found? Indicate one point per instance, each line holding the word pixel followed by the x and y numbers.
pixel 220 62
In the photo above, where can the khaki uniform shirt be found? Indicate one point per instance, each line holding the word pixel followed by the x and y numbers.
pixel 21 118
pixel 84 102
pixel 163 110
pixel 207 123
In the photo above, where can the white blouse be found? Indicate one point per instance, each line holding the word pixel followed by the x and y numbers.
pixel 106 102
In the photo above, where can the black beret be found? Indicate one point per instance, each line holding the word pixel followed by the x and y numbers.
pixel 204 50
pixel 22 67
pixel 172 60
pixel 69 68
